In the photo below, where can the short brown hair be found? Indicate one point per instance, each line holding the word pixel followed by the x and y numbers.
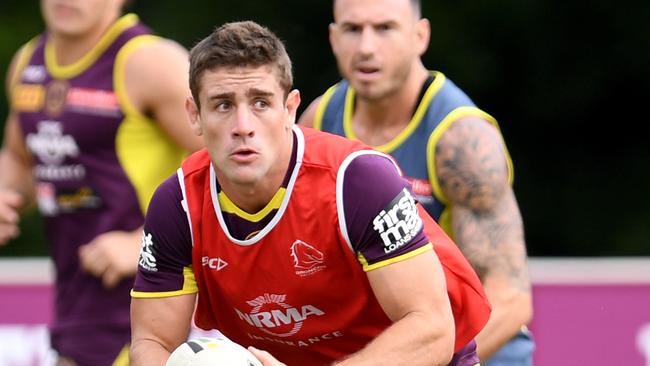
pixel 239 44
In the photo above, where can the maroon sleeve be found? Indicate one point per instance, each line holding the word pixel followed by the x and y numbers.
pixel 380 213
pixel 166 246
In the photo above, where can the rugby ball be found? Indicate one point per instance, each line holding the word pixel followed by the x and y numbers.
pixel 206 351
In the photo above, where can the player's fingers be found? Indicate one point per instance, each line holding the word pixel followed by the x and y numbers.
pixel 92 260
pixel 110 278
pixel 265 358
pixel 8 232
pixel 8 213
pixel 11 198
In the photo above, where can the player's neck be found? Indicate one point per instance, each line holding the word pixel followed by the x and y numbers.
pixel 378 121
pixel 69 49
pixel 253 197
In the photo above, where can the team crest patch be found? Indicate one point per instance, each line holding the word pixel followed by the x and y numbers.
pixel 307 260
pixel 55 97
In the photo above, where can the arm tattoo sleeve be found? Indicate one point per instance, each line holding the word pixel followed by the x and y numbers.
pixel 487 226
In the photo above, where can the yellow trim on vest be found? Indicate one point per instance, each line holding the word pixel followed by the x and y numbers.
pixel 444 221
pixel 122 358
pixel 444 126
pixel 189 287
pixel 432 90
pixel 119 72
pixel 25 97
pixel 146 153
pixel 22 60
pixel 228 206
pixel 369 267
pixel 76 68
pixel 320 111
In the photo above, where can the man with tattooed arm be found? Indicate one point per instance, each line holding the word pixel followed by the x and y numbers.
pixel 451 152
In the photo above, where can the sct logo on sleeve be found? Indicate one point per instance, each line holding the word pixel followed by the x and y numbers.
pixel 399 222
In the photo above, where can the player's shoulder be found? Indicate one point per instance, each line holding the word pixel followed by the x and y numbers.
pixel 323 148
pixel 367 166
pixel 153 52
pixel 307 117
pixel 196 163
pixel 313 114
pixel 20 59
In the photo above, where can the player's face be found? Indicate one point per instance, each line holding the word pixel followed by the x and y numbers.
pixel 246 123
pixel 76 18
pixel 376 44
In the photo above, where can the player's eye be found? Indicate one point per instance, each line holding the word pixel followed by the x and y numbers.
pixel 260 104
pixel 223 106
pixel 384 27
pixel 351 28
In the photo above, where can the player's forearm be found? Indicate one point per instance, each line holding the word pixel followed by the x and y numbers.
pixel 510 311
pixel 409 342
pixel 146 352
pixel 16 177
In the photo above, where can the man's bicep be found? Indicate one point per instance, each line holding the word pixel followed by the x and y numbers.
pixel 15 160
pixel 471 164
pixel 472 169
pixel 158 326
pixel 416 284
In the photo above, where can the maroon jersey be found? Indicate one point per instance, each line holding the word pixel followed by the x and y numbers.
pixel 296 286
pixel 89 147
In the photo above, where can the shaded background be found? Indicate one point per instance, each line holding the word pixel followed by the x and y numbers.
pixel 567 80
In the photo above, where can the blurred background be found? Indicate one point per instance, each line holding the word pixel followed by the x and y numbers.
pixel 567 81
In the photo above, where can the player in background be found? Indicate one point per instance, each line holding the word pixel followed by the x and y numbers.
pixel 450 151
pixel 96 122
pixel 289 243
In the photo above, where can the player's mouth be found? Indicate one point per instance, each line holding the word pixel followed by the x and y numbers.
pixel 366 73
pixel 64 10
pixel 244 155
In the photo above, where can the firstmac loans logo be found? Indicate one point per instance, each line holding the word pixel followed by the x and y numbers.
pixel 399 222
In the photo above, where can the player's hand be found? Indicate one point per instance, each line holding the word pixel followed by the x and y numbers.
pixel 112 256
pixel 265 358
pixel 9 216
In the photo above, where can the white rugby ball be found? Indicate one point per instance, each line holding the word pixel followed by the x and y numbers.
pixel 206 351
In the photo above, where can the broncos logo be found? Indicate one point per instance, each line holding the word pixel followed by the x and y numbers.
pixel 305 256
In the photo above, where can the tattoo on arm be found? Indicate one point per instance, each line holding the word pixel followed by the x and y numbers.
pixel 487 226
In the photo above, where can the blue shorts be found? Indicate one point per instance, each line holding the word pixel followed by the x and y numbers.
pixel 517 352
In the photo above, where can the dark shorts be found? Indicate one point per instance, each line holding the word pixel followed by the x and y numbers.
pixel 466 356
pixel 517 352
pixel 96 347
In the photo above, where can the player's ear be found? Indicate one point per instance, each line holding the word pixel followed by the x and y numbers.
pixel 292 103
pixel 193 114
pixel 333 35
pixel 422 35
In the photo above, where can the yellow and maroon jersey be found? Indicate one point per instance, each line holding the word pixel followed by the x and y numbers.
pixel 97 161
pixel 295 284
